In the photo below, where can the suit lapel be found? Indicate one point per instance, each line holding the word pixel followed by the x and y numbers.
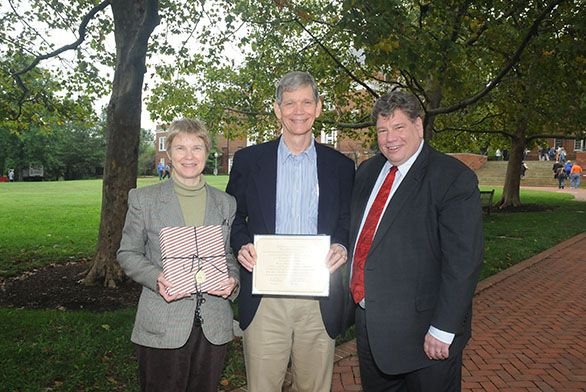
pixel 169 210
pixel 362 193
pixel 266 169
pixel 406 191
pixel 213 214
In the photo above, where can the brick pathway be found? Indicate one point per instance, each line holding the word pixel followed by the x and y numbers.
pixel 529 328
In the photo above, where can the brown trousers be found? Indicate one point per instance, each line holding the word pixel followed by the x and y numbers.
pixel 195 367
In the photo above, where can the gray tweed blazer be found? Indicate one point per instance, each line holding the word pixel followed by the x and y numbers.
pixel 160 324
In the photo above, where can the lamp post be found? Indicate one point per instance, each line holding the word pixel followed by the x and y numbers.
pixel 215 163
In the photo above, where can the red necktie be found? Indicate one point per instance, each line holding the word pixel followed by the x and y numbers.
pixel 367 234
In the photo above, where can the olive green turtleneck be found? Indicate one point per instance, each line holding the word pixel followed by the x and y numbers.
pixel 192 200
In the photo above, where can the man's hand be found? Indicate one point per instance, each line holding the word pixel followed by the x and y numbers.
pixel 247 256
pixel 337 256
pixel 435 349
pixel 227 286
pixel 163 285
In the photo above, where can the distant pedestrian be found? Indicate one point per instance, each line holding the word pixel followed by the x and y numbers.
pixel 559 174
pixel 524 168
pixel 552 154
pixel 11 175
pixel 544 154
pixel 567 168
pixel 562 155
pixel 167 172
pixel 575 174
pixel 556 166
pixel 498 154
pixel 160 170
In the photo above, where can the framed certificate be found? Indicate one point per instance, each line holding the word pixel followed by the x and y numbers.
pixel 291 265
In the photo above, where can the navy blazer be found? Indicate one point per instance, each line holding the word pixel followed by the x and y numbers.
pixel 253 182
pixel 425 258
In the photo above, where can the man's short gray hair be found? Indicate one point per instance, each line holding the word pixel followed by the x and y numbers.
pixel 294 80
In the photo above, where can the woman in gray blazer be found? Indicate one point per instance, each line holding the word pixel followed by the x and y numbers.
pixel 181 338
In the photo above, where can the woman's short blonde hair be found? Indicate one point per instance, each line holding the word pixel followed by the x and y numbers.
pixel 190 126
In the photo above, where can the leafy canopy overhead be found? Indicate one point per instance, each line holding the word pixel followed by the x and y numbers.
pixel 452 53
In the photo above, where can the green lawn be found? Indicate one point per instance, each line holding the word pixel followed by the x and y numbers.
pixel 53 350
pixel 512 237
pixel 45 222
pixel 49 350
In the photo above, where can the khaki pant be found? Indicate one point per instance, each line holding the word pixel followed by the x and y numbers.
pixel 286 329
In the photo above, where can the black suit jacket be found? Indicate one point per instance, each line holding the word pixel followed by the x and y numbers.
pixel 253 183
pixel 425 258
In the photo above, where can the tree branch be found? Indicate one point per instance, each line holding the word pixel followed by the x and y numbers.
pixel 338 62
pixel 483 131
pixel 484 26
pixel 343 125
pixel 510 64
pixel 26 23
pixel 510 135
pixel 248 112
pixel 554 136
pixel 82 32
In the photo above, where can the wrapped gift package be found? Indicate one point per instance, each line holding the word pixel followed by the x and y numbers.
pixel 194 258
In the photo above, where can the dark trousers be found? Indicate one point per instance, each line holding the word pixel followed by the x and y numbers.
pixel 195 367
pixel 444 376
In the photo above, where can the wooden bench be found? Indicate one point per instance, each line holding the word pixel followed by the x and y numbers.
pixel 486 200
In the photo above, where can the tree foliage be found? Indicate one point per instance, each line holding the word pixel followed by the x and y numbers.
pixel 29 28
pixel 146 153
pixel 32 125
pixel 466 61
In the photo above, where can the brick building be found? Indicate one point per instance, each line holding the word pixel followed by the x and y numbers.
pixel 575 149
pixel 357 150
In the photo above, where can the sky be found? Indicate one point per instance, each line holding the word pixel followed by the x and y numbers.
pixel 58 38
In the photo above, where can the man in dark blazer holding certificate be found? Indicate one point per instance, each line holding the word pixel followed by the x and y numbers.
pixel 416 230
pixel 292 185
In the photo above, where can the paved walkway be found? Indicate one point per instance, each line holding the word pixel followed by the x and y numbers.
pixel 529 328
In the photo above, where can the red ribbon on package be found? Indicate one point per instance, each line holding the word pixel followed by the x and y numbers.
pixel 194 259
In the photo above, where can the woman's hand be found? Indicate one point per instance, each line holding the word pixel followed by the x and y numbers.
pixel 226 289
pixel 163 285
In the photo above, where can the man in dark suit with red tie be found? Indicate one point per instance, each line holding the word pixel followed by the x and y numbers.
pixel 416 230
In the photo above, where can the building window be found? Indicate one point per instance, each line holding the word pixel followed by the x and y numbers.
pixel 162 140
pixel 558 143
pixel 580 145
pixel 329 138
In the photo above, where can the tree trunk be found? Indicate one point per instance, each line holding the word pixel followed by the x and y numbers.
pixel 435 99
pixel 511 189
pixel 134 21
